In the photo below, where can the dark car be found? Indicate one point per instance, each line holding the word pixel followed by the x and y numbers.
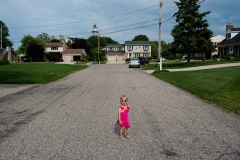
pixel 143 60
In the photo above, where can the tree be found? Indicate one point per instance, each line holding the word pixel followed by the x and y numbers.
pixel 192 33
pixel 35 51
pixel 44 37
pixel 28 41
pixel 61 38
pixel 110 41
pixel 5 41
pixel 93 42
pixel 154 49
pixel 140 38
pixel 54 56
pixel 69 44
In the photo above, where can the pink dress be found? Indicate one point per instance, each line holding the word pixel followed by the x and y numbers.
pixel 124 117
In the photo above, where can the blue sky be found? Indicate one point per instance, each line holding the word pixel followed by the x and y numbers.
pixel 120 20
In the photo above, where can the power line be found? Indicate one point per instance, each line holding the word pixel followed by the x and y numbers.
pixel 82 21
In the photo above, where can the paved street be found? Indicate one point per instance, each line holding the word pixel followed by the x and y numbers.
pixel 75 118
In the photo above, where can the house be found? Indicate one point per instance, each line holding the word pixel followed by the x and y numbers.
pixel 73 55
pixel 68 55
pixel 216 40
pixel 131 49
pixel 115 52
pixel 231 44
pixel 9 54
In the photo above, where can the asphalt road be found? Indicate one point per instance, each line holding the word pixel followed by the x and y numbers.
pixel 75 118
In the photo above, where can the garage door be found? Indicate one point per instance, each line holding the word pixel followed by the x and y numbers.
pixel 67 58
pixel 111 57
pixel 120 57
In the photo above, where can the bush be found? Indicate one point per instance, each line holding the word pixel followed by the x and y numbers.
pixel 128 59
pixel 4 61
pixel 215 57
pixel 149 58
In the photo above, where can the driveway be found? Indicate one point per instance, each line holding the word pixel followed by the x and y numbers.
pixel 75 118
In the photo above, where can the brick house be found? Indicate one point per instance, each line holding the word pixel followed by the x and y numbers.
pixel 231 44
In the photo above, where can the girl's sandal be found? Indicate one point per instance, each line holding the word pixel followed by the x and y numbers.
pixel 127 136
pixel 122 138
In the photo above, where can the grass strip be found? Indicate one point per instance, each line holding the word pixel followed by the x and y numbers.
pixel 35 73
pixel 220 86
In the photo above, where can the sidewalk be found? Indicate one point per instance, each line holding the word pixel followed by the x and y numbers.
pixel 198 68
pixel 204 67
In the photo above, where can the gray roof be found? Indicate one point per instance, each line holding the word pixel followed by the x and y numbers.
pixel 137 43
pixel 228 42
pixel 115 45
pixel 235 29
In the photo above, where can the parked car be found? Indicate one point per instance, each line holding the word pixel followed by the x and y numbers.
pixel 143 60
pixel 134 62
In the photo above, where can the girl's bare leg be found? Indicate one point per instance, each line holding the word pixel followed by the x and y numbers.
pixel 125 131
pixel 121 132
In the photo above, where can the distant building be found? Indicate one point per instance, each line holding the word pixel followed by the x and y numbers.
pixel 95 30
pixel 131 49
pixel 231 44
pixel 216 40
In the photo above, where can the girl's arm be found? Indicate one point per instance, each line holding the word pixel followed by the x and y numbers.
pixel 128 106
pixel 119 116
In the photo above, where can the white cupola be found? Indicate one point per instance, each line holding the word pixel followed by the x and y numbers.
pixel 94 31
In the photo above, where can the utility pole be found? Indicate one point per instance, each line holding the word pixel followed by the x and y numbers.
pixel 159 37
pixel 98 47
pixel 1 35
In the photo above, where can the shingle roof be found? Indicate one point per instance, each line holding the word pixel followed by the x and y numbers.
pixel 73 51
pixel 137 43
pixel 54 44
pixel 235 40
pixel 115 45
pixel 235 29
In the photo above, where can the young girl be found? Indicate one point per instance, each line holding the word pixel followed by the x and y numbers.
pixel 123 119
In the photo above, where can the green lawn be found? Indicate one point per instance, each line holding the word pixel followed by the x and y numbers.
pixel 220 86
pixel 180 64
pixel 31 73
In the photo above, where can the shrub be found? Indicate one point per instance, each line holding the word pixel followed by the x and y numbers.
pixel 215 57
pixel 4 61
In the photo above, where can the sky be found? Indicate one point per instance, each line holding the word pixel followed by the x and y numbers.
pixel 120 20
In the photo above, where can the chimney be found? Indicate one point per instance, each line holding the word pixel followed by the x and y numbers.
pixel 229 25
pixel 64 45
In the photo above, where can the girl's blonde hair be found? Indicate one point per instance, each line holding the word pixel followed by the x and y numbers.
pixel 123 96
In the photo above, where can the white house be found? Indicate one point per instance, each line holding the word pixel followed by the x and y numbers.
pixel 131 49
pixel 68 55
pixel 216 40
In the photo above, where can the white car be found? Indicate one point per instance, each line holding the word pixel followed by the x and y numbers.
pixel 134 62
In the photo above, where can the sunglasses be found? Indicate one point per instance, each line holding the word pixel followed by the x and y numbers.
pixel 123 101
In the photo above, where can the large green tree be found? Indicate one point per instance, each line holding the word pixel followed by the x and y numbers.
pixel 191 34
pixel 28 41
pixel 36 52
pixel 140 38
pixel 5 33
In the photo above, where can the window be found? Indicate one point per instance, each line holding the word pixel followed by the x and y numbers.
pixel 110 48
pixel 54 48
pixel 229 35
pixel 137 55
pixel 145 48
pixel 119 48
pixel 145 54
pixel 129 48
pixel 231 49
